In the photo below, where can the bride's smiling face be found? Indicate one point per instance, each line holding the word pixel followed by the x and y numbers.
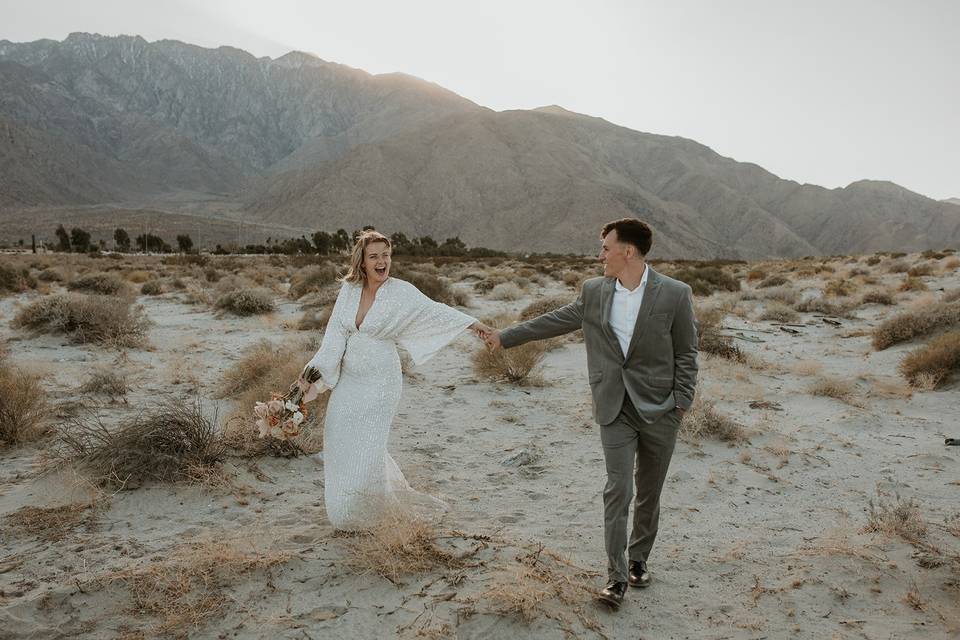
pixel 376 262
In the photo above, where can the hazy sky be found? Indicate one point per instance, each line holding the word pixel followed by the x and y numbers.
pixel 817 91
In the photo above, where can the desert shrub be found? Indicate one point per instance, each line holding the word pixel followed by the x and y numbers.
pixel 785 295
pixel 186 259
pixel 841 308
pixel 872 261
pixel 107 284
pixel 778 312
pixel 773 281
pixel 896 518
pixel 711 340
pixel 313 278
pixel 912 284
pixel 50 275
pixel 101 319
pixel 139 276
pixel 152 288
pixel 927 366
pixel 509 365
pixel 756 274
pixel 951 296
pixel 315 320
pixel 706 280
pixel 506 291
pixel 263 371
pixel 951 265
pixel 838 288
pixel 703 420
pixel 106 382
pixel 15 280
pixel 246 302
pixel 878 296
pixel 912 324
pixel 898 266
pixel 51 524
pixel 430 285
pixel 171 441
pixel 922 269
pixel 24 409
pixel 544 305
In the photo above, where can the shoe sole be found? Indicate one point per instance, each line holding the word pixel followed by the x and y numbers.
pixel 639 586
pixel 610 602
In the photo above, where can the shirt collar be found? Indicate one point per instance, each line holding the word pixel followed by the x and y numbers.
pixel 640 287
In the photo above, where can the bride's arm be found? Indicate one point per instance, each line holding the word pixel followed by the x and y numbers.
pixel 326 362
pixel 428 326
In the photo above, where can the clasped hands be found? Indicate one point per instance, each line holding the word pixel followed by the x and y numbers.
pixel 489 335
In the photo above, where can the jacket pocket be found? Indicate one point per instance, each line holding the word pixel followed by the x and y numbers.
pixel 660 383
pixel 594 377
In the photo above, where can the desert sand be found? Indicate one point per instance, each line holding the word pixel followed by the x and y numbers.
pixel 766 536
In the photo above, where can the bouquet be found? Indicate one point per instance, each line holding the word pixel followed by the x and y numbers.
pixel 281 416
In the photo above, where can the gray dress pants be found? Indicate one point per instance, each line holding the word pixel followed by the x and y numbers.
pixel 636 453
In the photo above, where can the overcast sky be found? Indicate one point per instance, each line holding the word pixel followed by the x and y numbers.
pixel 819 91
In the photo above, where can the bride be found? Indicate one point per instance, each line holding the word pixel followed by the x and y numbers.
pixel 358 360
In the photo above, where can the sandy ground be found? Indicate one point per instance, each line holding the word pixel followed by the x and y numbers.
pixel 758 540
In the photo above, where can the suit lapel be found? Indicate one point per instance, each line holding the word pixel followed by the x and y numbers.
pixel 650 294
pixel 606 304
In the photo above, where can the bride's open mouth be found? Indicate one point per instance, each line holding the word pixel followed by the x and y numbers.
pixel 381 271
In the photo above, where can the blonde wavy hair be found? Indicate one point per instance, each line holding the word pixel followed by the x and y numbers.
pixel 355 273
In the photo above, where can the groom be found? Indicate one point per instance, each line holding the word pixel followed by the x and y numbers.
pixel 641 341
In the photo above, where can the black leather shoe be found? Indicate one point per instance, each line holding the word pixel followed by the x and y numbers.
pixel 638 576
pixel 613 593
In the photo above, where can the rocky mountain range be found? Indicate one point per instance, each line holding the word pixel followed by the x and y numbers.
pixel 304 143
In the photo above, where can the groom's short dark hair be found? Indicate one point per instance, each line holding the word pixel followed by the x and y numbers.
pixel 631 231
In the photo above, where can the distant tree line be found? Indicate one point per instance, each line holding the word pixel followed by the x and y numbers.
pixel 321 242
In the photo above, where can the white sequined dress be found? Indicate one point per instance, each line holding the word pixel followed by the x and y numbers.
pixel 363 368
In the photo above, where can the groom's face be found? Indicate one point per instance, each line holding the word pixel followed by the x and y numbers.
pixel 613 255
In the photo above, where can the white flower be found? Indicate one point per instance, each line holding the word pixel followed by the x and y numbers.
pixel 291 406
pixel 297 418
pixel 264 428
pixel 260 410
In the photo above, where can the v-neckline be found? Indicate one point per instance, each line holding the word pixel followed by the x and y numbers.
pixel 372 304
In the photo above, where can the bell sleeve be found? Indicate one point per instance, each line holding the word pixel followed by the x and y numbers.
pixel 428 325
pixel 327 359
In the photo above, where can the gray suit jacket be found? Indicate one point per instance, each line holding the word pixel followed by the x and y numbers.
pixel 659 370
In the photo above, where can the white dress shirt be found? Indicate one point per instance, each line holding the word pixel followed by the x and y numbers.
pixel 624 310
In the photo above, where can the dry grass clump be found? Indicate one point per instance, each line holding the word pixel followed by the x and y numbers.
pixel 152 288
pixel 399 545
pixel 898 517
pixel 506 291
pixel 509 365
pixel 263 371
pixel 430 285
pixel 773 281
pixel 841 308
pixel 24 409
pixel 778 312
pixel 898 266
pixel 786 295
pixel 929 365
pixel 101 319
pixel 756 274
pixel 711 340
pixel 922 269
pixel 706 280
pixel 912 284
pixel 314 320
pixel 951 296
pixel 106 382
pixel 50 275
pixel 313 278
pixel 951 265
pixel 246 302
pixel 703 420
pixel 540 583
pixel 838 288
pixel 15 280
pixel 878 296
pixel 51 524
pixel 832 387
pixel 911 324
pixel 105 284
pixel 171 441
pixel 544 305
pixel 186 590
